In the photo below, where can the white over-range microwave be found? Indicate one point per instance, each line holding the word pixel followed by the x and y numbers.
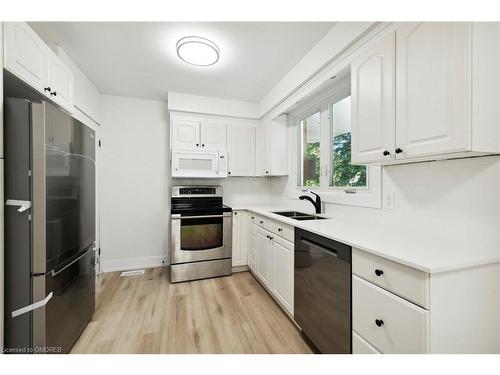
pixel 199 163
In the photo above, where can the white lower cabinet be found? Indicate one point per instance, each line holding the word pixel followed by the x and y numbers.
pixel 282 271
pixel 240 238
pixel 361 346
pixel 274 259
pixel 388 322
pixel 263 256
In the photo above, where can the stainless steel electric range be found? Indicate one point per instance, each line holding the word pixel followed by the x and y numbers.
pixel 201 233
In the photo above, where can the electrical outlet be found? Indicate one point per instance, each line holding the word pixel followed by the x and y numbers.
pixel 389 199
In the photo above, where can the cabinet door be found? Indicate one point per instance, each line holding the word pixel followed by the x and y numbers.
pixel 185 133
pixel 241 150
pixel 373 103
pixel 263 256
pixel 239 238
pixel 213 135
pixel 60 81
pixel 432 88
pixel 282 253
pixel 26 54
pixel 278 150
pixel 261 151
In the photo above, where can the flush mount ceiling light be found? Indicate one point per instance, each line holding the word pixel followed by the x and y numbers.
pixel 197 51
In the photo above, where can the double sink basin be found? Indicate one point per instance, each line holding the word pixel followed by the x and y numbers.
pixel 298 215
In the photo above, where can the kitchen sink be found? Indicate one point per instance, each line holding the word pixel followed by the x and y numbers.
pixel 298 215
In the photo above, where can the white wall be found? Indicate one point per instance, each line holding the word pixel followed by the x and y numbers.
pixel 236 190
pixel 135 204
pixel 212 106
pixel 454 196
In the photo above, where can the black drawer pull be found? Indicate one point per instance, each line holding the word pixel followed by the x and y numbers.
pixel 379 272
pixel 379 322
pixel 386 153
pixel 398 151
pixel 261 222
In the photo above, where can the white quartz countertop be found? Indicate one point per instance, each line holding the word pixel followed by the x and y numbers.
pixel 428 251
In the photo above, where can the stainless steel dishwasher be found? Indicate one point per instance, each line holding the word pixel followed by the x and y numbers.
pixel 322 306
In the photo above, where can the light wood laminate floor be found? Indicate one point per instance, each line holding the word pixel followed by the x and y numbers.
pixel 147 314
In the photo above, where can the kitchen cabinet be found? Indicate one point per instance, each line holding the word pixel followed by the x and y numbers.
pixel 200 134
pixel 263 256
pixel 274 260
pixel 398 309
pixel 282 253
pixel 426 92
pixel 30 59
pixel 241 150
pixel 60 81
pixel 251 245
pixel 272 148
pixel 373 103
pixel 213 134
pixel 432 88
pixel 240 238
pixel 25 54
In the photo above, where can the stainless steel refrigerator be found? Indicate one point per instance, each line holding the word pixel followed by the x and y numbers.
pixel 49 227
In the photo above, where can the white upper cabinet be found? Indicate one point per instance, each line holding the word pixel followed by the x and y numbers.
pixel 262 158
pixel 196 133
pixel 446 83
pixel 25 54
pixel 373 103
pixel 241 150
pixel 30 59
pixel 272 148
pixel 60 81
pixel 213 135
pixel 432 88
pixel 185 133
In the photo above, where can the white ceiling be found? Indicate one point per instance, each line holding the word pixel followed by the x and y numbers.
pixel 139 59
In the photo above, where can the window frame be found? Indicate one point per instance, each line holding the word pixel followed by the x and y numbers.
pixel 300 165
pixel 369 196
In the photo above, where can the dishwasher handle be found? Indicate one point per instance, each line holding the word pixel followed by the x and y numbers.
pixel 318 246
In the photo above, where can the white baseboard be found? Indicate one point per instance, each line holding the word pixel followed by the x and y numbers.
pixel 134 263
pixel 240 269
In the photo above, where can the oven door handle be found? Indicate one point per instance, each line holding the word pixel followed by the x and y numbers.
pixel 178 216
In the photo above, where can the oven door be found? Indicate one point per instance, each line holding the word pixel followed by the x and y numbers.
pixel 201 237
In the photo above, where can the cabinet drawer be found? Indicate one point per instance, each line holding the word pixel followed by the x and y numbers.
pixel 266 223
pixel 403 327
pixel 404 281
pixel 283 230
pixel 361 346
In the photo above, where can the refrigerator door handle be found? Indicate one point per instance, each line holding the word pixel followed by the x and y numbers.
pixel 23 205
pixel 33 306
pixel 55 273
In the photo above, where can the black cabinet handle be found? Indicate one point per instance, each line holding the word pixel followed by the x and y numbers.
pixel 203 145
pixel 53 93
pixel 379 272
pixel 261 222
pixel 271 237
pixel 386 153
pixel 47 89
pixel 236 213
pixel 379 322
pixel 267 172
pixel 228 172
pixel 398 151
pixel 279 229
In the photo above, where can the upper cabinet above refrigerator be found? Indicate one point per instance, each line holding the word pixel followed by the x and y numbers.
pixel 30 59
pixel 421 93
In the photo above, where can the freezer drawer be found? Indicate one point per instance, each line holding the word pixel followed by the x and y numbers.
pixel 58 324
